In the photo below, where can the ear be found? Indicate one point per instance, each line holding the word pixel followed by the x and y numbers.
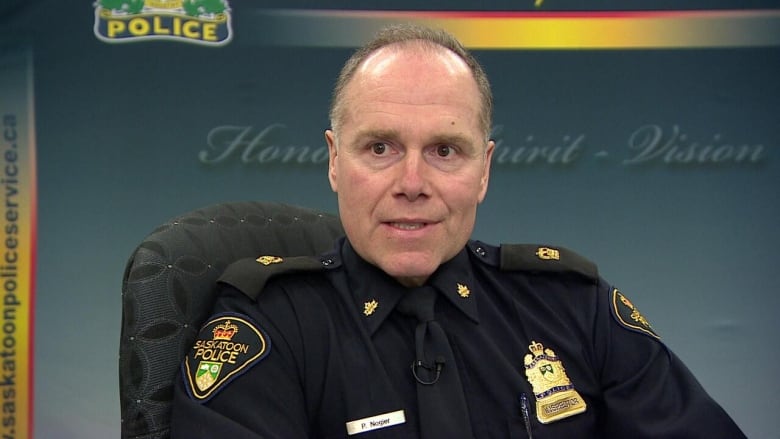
pixel 330 138
pixel 491 145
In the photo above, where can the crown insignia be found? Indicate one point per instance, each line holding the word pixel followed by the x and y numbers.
pixel 268 260
pixel 548 254
pixel 164 4
pixel 225 331
pixel 536 348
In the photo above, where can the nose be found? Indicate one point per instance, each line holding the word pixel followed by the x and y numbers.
pixel 412 179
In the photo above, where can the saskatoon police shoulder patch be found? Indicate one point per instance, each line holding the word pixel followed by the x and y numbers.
pixel 628 316
pixel 226 347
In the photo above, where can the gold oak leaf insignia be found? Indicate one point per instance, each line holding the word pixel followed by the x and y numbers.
pixel 370 307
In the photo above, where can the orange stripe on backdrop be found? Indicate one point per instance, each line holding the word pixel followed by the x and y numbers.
pixel 541 30
pixel 18 244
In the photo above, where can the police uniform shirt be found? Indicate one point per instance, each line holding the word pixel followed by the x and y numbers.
pixel 336 355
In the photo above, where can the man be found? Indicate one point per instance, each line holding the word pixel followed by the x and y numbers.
pixel 408 329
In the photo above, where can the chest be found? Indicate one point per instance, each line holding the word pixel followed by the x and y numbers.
pixel 491 355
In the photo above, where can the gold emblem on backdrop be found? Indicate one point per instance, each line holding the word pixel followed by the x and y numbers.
pixel 555 395
pixel 207 22
pixel 268 260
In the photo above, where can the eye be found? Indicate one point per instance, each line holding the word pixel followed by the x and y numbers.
pixel 444 150
pixel 379 148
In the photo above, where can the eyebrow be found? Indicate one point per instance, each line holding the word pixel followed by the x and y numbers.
pixel 446 139
pixel 377 134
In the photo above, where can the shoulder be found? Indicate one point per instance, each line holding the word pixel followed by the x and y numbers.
pixel 535 258
pixel 250 276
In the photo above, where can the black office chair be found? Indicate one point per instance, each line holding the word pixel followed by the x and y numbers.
pixel 169 287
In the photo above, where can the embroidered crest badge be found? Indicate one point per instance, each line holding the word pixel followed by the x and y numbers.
pixel 226 347
pixel 555 395
pixel 627 315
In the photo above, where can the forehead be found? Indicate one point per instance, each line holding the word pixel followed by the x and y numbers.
pixel 432 55
pixel 412 62
pixel 427 80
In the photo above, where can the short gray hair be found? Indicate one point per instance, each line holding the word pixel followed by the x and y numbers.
pixel 407 33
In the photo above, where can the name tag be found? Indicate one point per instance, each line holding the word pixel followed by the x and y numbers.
pixel 376 422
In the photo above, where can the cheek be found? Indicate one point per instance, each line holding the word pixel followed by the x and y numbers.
pixel 354 182
pixel 466 192
pixel 356 186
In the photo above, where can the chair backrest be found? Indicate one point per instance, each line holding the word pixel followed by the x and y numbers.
pixel 169 287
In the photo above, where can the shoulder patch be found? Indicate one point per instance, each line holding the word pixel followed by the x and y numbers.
pixel 531 257
pixel 250 275
pixel 628 316
pixel 226 347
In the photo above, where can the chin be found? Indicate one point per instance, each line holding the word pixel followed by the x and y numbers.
pixel 411 274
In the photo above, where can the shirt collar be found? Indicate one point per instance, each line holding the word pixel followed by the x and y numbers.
pixel 455 280
pixel 376 293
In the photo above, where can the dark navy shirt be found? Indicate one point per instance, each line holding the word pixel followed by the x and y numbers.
pixel 339 352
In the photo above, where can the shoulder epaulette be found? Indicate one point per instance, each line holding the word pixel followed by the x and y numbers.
pixel 531 257
pixel 250 275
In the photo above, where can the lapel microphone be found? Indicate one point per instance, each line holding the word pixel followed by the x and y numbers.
pixel 438 365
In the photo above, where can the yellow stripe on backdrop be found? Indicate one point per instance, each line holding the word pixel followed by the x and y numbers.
pixel 18 222
pixel 537 30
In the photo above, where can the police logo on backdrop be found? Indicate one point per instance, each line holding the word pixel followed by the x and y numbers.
pixel 196 21
pixel 226 347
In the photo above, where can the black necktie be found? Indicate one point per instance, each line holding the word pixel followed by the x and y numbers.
pixel 442 406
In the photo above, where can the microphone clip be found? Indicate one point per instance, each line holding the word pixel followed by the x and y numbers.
pixel 437 366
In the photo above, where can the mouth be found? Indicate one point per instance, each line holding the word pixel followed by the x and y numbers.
pixel 407 225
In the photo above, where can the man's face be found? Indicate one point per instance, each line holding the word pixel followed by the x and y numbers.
pixel 410 162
